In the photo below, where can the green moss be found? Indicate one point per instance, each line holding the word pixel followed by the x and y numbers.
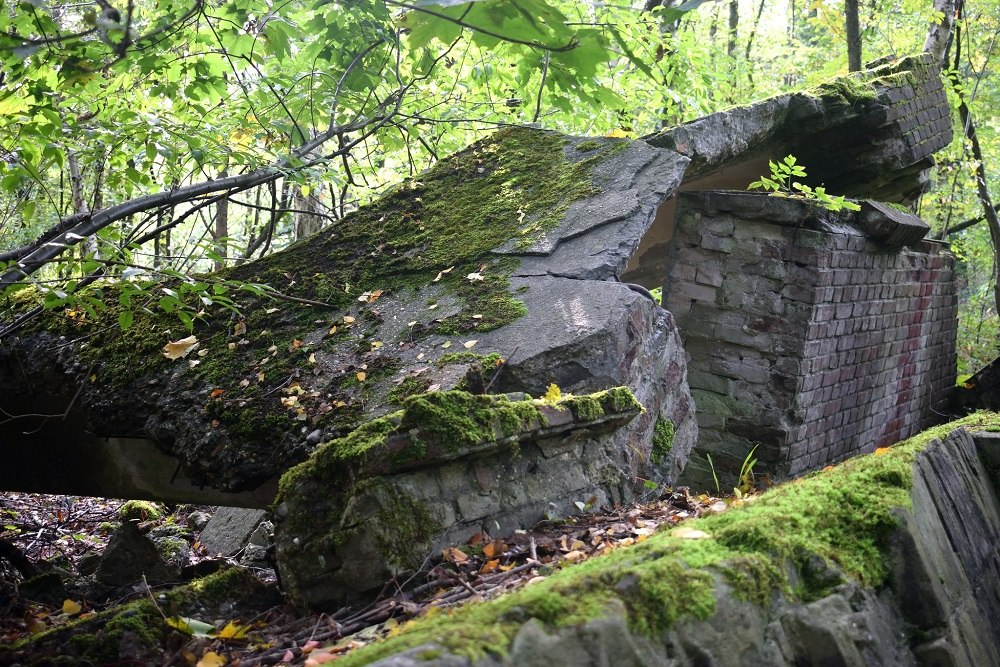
pixel 458 420
pixel 404 529
pixel 587 146
pixel 408 387
pixel 836 523
pixel 851 88
pixel 663 440
pixel 139 510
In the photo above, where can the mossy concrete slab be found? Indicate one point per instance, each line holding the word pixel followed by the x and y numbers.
pixel 888 558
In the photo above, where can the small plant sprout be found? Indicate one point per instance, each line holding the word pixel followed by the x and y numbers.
pixel 782 183
pixel 746 482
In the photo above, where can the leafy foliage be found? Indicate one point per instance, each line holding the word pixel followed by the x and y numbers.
pixel 782 183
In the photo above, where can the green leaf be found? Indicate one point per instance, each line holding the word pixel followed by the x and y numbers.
pixel 125 319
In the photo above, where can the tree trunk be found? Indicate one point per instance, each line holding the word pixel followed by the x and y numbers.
pixel 940 31
pixel 853 35
pixel 221 232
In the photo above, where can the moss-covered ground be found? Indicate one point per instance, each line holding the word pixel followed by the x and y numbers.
pixel 831 525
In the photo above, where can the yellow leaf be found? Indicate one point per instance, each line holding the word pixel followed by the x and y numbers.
pixel 240 328
pixel 212 659
pixel 348 319
pixel 361 375
pixel 470 343
pixel 233 630
pixel 70 607
pixel 179 349
pixel 617 133
pixel 552 394
pixel 446 344
pixel 376 344
pixel 882 451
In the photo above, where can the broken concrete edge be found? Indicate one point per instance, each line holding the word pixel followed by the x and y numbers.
pixel 851 93
pixel 441 426
pixel 889 226
pixel 97 638
pixel 798 542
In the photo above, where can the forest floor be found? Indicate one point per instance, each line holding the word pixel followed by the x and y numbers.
pixel 65 534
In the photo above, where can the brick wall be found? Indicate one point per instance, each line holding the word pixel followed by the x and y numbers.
pixel 806 336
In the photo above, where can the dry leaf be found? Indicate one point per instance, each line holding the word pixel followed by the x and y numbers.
pixel 454 555
pixel 441 273
pixel 575 555
pixel 211 659
pixel 240 328
pixel 490 566
pixel 348 319
pixel 217 392
pixel 446 344
pixel 470 343
pixel 474 276
pixel 179 349
pixel 71 607
pixel 361 375
pixel 269 311
pixel 882 451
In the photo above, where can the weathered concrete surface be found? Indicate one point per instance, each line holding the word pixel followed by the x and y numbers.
pixel 939 604
pixel 448 466
pixel 229 529
pixel 537 219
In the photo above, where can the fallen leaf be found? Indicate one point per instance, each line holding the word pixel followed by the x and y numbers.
pixel 240 328
pixel 446 344
pixel 376 344
pixel 269 311
pixel 179 349
pixel 361 375
pixel 190 626
pixel 469 344
pixel 312 358
pixel 71 607
pixel 442 272
pixel 217 392
pixel 574 555
pixel 211 659
pixel 490 566
pixel 477 317
pixel 233 630
pixel 454 555
pixel 882 451
pixel 348 319
pixel 474 276
pixel 432 306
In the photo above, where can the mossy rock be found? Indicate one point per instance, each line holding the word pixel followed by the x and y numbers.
pixel 800 540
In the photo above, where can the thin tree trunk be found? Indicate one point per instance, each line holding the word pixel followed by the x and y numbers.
pixel 221 232
pixel 982 187
pixel 939 33
pixel 853 35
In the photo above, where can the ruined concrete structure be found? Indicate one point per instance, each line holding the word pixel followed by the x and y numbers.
pixel 810 334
